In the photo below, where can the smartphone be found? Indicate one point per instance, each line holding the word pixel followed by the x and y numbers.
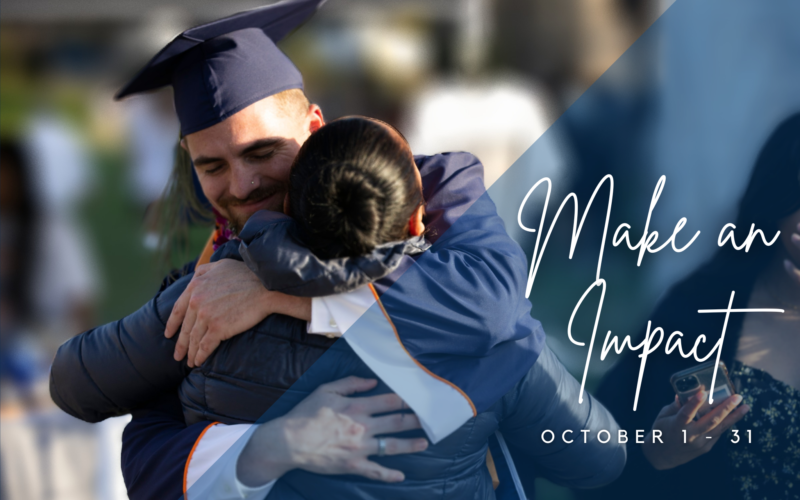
pixel 687 383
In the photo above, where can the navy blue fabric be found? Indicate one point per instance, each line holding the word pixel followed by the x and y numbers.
pixel 155 447
pixel 453 185
pixel 270 248
pixel 115 368
pixel 506 490
pixel 461 310
pixel 546 397
pixel 111 369
pixel 220 68
pixel 157 443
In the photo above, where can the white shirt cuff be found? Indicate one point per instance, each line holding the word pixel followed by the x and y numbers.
pixel 213 446
pixel 322 322
pixel 335 314
pixel 346 308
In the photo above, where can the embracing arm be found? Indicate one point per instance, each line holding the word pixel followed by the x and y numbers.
pixel 112 369
pixel 163 458
pixel 223 300
pixel 327 433
pixel 156 446
pixel 469 279
pixel 547 399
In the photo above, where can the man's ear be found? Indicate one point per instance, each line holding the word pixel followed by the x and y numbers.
pixel 184 145
pixel 315 118
pixel 415 224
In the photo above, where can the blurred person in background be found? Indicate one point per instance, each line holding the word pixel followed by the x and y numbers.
pixel 44 453
pixel 52 287
pixel 497 120
pixel 760 351
pixel 152 128
pixel 22 362
pixel 65 280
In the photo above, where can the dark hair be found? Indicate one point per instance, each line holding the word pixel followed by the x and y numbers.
pixel 21 217
pixel 353 187
pixel 772 194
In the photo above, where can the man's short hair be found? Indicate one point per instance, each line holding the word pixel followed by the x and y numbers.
pixel 292 102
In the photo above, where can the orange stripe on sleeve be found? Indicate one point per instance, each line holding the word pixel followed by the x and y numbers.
pixel 397 336
pixel 189 458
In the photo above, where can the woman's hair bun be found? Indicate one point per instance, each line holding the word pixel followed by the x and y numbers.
pixel 352 188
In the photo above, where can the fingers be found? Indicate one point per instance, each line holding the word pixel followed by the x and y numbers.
pixel 178 313
pixel 688 411
pixel 395 446
pixel 722 417
pixel 382 403
pixel 669 410
pixel 730 420
pixel 390 424
pixel 195 337
pixel 716 416
pixel 349 385
pixel 207 345
pixel 182 346
pixel 374 471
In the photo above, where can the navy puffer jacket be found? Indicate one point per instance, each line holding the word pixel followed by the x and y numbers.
pixel 117 367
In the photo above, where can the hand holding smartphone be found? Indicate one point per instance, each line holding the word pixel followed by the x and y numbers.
pixel 690 426
pixel 687 383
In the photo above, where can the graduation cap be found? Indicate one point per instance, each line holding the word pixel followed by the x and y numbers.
pixel 222 67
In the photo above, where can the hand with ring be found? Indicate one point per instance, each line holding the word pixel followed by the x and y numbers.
pixel 381 447
pixel 330 433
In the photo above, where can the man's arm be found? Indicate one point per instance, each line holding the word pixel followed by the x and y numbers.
pixel 163 458
pixel 114 368
pixel 223 300
pixel 467 282
pixel 156 445
pixel 326 433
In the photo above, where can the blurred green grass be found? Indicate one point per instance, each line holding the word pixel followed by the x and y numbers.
pixel 115 221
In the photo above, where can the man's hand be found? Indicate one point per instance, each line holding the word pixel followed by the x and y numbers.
pixel 329 433
pixel 701 435
pixel 223 300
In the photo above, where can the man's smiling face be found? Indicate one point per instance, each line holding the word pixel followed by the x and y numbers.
pixel 243 162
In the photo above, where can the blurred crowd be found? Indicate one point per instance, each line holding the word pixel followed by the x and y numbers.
pixel 82 174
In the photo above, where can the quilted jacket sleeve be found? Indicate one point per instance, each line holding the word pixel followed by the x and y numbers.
pixel 546 399
pixel 114 368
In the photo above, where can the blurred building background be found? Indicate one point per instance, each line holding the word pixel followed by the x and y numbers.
pixel 82 174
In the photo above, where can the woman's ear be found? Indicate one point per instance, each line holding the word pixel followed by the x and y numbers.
pixel 415 224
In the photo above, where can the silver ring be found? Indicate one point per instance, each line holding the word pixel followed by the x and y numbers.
pixel 381 447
